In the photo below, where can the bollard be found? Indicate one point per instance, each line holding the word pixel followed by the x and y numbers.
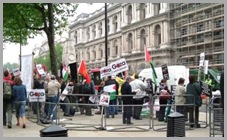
pixel 176 125
pixel 54 131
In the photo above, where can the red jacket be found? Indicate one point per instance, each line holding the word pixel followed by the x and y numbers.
pixel 7 79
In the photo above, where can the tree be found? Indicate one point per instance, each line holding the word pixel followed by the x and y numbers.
pixel 10 66
pixel 46 60
pixel 24 20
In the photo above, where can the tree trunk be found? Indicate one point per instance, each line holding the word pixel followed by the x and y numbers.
pixel 50 37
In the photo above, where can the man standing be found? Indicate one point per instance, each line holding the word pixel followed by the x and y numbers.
pixel 111 84
pixel 139 85
pixel 53 90
pixel 126 91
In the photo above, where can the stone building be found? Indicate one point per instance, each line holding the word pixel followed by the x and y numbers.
pixel 131 26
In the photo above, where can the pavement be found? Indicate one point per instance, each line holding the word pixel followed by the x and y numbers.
pixel 83 126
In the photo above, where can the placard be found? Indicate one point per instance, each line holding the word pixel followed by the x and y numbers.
pixel 119 66
pixel 104 100
pixel 207 89
pixel 105 72
pixel 165 72
pixel 36 95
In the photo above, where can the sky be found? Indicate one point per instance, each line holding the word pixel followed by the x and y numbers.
pixel 11 50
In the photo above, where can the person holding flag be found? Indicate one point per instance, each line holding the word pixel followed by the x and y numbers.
pixel 88 88
pixel 111 86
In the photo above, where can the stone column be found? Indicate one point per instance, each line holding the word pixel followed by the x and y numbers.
pixel 111 25
pixel 133 12
pixel 80 39
pixel 147 10
pixel 162 33
pixel 164 8
pixel 152 9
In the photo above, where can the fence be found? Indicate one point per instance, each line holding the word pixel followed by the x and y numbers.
pixel 97 122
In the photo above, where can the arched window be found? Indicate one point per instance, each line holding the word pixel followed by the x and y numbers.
pixel 157 35
pixel 94 30
pixel 100 29
pixel 88 33
pixel 115 47
pixel 115 24
pixel 88 54
pixel 129 13
pixel 130 42
pixel 142 39
pixel 142 11
pixel 108 49
pixel 75 37
pixel 108 25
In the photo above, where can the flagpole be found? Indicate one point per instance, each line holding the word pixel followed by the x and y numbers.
pixel 106 33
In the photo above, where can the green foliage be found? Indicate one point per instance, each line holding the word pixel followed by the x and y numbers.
pixel 46 60
pixel 24 20
pixel 10 66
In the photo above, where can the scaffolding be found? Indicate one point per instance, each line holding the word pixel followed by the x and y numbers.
pixel 197 28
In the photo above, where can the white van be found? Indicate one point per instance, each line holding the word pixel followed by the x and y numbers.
pixel 175 73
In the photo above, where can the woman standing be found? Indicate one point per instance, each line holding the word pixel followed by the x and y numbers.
pixel 193 89
pixel 180 97
pixel 20 96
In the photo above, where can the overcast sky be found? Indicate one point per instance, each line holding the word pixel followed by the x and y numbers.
pixel 12 51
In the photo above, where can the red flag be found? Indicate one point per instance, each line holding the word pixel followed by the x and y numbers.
pixel 147 55
pixel 83 71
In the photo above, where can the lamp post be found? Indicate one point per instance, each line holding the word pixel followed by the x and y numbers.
pixel 20 49
pixel 106 33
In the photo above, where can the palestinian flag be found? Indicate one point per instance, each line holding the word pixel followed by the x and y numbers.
pixel 65 73
pixel 111 89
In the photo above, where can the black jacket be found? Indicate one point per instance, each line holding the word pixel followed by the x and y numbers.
pixel 126 89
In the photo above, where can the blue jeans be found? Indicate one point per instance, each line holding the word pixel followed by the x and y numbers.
pixel 52 107
pixel 110 110
pixel 20 108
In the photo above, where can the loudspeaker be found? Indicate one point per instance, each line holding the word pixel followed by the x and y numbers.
pixel 73 69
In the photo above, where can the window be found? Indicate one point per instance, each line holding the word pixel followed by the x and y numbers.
pixel 219 23
pixel 184 31
pixel 129 13
pixel 75 37
pixel 142 11
pixel 108 25
pixel 200 28
pixel 116 50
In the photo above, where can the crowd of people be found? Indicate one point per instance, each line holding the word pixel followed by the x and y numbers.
pixel 133 92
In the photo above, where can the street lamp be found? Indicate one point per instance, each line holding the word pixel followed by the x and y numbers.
pixel 20 49
pixel 106 33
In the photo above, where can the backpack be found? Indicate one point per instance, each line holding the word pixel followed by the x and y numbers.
pixel 7 91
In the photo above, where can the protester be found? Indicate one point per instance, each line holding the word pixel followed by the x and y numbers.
pixel 126 91
pixel 20 96
pixel 38 84
pixel 194 91
pixel 139 85
pixel 110 110
pixel 89 89
pixel 7 103
pixel 46 105
pixel 162 101
pixel 53 93
pixel 180 98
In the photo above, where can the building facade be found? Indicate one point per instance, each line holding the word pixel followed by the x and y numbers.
pixel 197 28
pixel 132 26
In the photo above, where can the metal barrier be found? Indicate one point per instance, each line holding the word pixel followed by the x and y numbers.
pixel 216 119
pixel 83 123
pixel 163 126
